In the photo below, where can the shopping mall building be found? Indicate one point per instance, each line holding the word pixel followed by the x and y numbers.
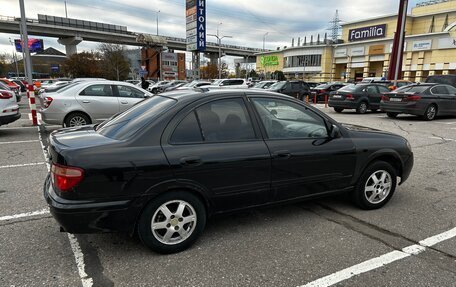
pixel 365 47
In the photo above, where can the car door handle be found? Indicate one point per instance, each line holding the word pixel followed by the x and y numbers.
pixel 281 154
pixel 124 102
pixel 86 101
pixel 191 161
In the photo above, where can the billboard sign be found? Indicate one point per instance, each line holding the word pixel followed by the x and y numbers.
pixel 366 33
pixel 269 61
pixel 195 14
pixel 34 45
pixel 422 45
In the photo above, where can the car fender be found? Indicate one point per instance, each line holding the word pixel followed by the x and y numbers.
pixel 385 154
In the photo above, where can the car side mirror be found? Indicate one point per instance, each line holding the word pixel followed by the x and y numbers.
pixel 334 132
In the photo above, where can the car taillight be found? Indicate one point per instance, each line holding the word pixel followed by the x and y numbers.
pixel 5 95
pixel 47 102
pixel 385 99
pixel 413 98
pixel 65 177
pixel 349 97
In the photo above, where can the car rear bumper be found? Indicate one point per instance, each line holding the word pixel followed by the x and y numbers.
pixel 83 216
pixel 9 118
pixel 343 104
pixel 409 108
pixel 52 118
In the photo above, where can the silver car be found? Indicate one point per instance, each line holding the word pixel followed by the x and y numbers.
pixel 88 102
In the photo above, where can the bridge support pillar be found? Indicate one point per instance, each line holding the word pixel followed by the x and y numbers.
pixel 70 44
pixel 213 57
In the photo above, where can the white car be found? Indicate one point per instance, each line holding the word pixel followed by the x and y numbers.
pixel 9 109
pixel 229 84
pixel 88 102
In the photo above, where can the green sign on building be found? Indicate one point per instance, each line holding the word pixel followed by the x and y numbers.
pixel 269 61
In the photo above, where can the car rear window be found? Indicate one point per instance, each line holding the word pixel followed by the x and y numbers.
pixel 351 88
pixel 129 122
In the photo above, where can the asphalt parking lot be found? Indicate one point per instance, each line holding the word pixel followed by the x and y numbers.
pixel 409 242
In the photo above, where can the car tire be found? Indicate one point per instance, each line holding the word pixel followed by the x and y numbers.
pixel 179 218
pixel 338 110
pixel 362 108
pixel 77 119
pixel 392 115
pixel 430 113
pixel 376 186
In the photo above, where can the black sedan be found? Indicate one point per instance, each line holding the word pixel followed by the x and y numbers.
pixel 297 89
pixel 161 168
pixel 361 97
pixel 425 100
pixel 322 92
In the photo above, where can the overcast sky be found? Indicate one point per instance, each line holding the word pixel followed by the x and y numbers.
pixel 245 20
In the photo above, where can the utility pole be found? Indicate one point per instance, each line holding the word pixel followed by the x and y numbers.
pixel 28 64
pixel 14 57
pixel 264 38
pixel 66 12
pixel 219 42
pixel 157 19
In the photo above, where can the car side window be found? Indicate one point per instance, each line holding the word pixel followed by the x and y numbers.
pixel 129 92
pixel 295 86
pixel 188 131
pixel 287 120
pixel 383 89
pixel 97 91
pixel 451 90
pixel 439 90
pixel 371 90
pixel 225 120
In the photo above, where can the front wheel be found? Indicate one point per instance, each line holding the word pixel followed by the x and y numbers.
pixel 172 222
pixel 376 186
pixel 77 119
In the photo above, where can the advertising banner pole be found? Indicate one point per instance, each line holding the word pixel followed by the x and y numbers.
pixel 395 63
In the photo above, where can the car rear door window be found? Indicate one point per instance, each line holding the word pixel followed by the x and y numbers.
pixel 284 120
pixel 188 131
pixel 372 90
pixel 129 92
pixel 225 120
pixel 383 89
pixel 98 91
pixel 439 90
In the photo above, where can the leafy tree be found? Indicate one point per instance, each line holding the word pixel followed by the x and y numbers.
pixel 115 66
pixel 209 72
pixel 85 64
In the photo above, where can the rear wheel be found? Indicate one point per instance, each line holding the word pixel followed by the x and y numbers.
pixel 430 113
pixel 362 108
pixel 376 186
pixel 77 119
pixel 392 115
pixel 172 222
pixel 338 110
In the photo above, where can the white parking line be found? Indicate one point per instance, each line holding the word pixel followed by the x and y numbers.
pixel 381 261
pixel 21 165
pixel 16 142
pixel 75 247
pixel 27 214
pixel 451 123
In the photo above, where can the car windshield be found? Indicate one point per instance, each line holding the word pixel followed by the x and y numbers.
pixel 127 123
pixel 322 87
pixel 278 85
pixel 412 89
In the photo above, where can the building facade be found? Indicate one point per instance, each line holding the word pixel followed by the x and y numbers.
pixel 365 48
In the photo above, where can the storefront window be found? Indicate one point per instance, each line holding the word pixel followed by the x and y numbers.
pixel 302 61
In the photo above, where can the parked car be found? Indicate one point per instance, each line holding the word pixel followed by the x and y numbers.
pixel 156 88
pixel 442 79
pixel 9 109
pixel 21 85
pixel 193 84
pixel 164 166
pixel 229 84
pixel 297 89
pixel 171 85
pixel 313 84
pixel 17 96
pixel 361 97
pixel 264 84
pixel 87 102
pixel 13 86
pixel 425 100
pixel 322 91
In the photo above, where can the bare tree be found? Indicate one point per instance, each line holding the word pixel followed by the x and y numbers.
pixel 114 64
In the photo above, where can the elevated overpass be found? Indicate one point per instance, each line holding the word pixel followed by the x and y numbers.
pixel 71 32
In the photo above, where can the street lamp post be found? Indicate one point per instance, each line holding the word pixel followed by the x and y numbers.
pixel 264 38
pixel 158 11
pixel 219 42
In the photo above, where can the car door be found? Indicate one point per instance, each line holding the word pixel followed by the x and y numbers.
pixel 215 145
pixel 127 96
pixel 98 101
pixel 305 161
pixel 451 99
pixel 287 89
pixel 373 94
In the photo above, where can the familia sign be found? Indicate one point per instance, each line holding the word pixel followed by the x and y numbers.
pixel 196 25
pixel 365 33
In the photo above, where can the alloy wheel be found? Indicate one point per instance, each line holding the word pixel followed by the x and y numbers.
pixel 378 186
pixel 77 121
pixel 173 222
